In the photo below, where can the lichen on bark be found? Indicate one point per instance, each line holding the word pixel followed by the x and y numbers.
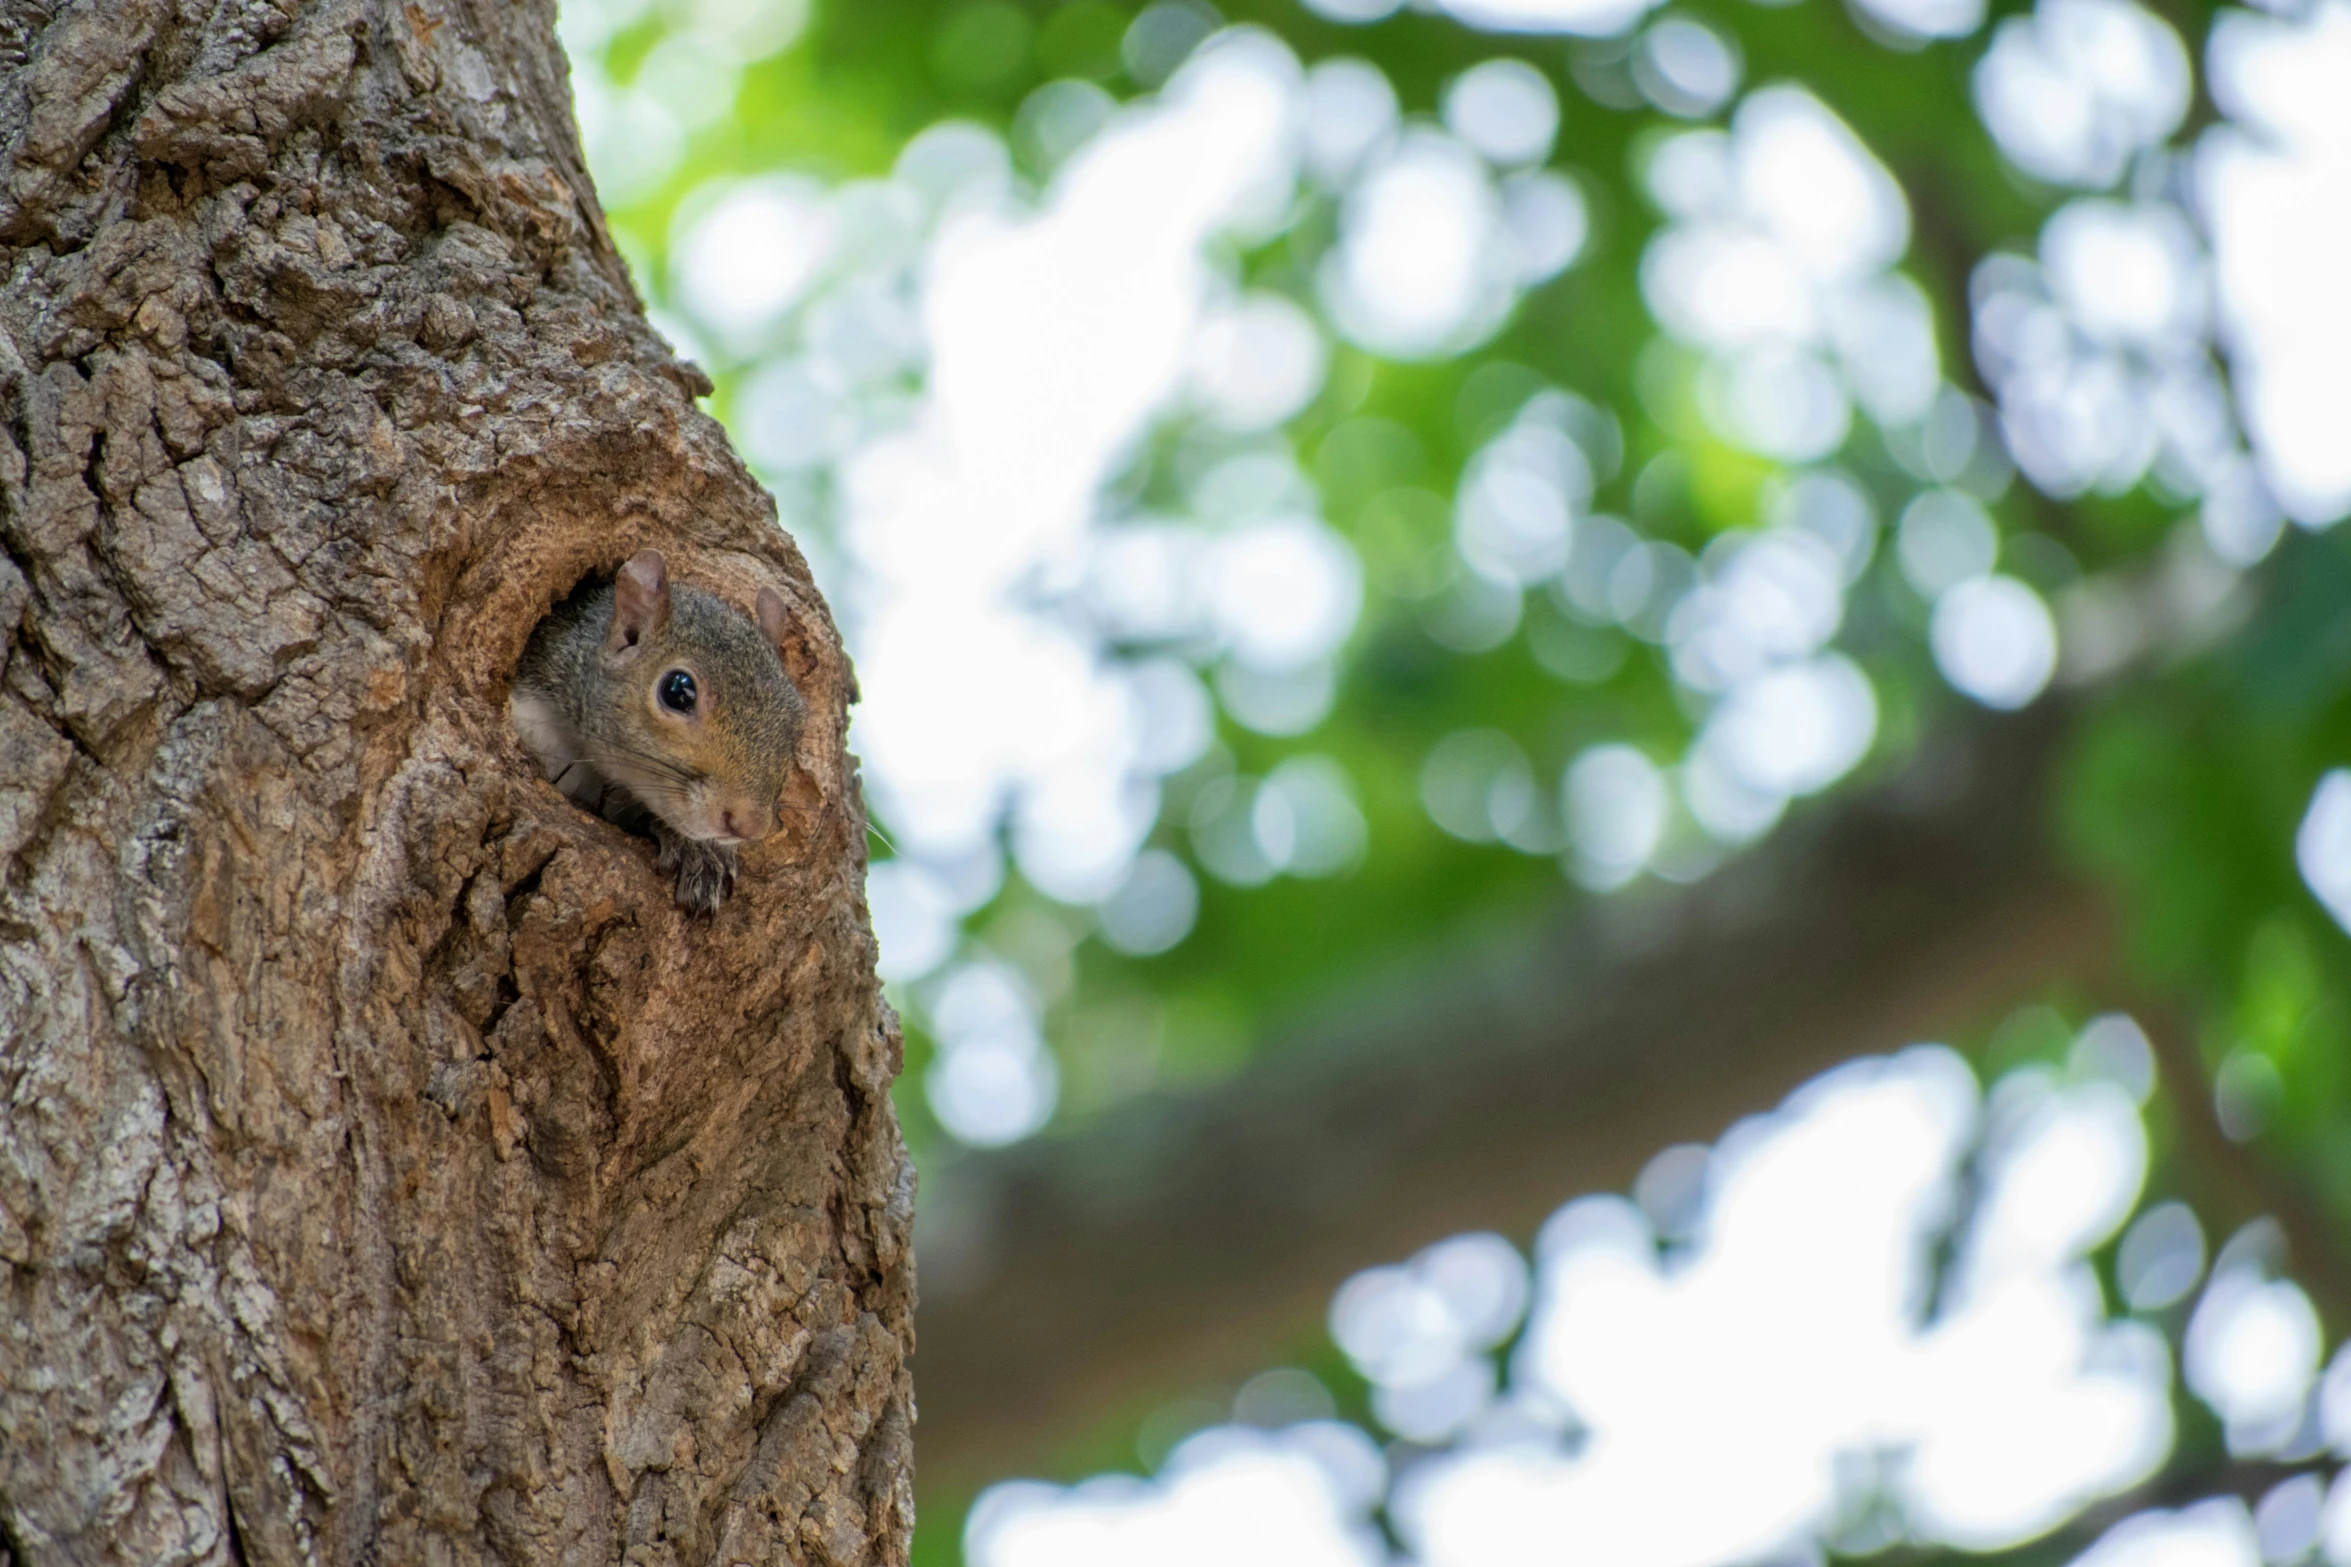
pixel 389 1172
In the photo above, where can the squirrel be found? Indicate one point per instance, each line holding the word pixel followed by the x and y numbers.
pixel 664 709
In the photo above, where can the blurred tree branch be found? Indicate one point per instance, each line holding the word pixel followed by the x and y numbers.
pixel 1189 1238
pixel 2232 1182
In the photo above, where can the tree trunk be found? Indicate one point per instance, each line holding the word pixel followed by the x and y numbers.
pixel 389 1172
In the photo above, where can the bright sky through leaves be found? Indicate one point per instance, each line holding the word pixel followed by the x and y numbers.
pixel 1781 1359
pixel 1091 421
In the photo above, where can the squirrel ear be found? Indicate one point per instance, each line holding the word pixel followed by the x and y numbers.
pixel 640 602
pixel 775 622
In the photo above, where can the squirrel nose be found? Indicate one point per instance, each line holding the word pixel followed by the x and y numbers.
pixel 734 828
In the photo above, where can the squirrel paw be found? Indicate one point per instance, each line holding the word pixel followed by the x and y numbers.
pixel 705 871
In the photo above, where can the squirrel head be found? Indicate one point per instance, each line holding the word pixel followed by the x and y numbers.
pixel 706 721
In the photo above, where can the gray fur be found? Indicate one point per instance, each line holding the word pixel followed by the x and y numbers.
pixel 586 712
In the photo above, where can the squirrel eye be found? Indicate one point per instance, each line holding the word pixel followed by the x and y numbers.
pixel 677 691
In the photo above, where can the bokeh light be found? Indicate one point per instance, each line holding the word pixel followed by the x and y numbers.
pixel 2272 181
pixel 1875 1297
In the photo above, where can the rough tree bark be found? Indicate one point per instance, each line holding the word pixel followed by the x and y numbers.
pixel 388 1172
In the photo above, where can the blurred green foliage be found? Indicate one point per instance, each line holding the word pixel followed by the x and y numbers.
pixel 2185 788
pixel 2184 797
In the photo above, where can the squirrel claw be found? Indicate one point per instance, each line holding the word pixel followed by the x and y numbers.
pixel 705 871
